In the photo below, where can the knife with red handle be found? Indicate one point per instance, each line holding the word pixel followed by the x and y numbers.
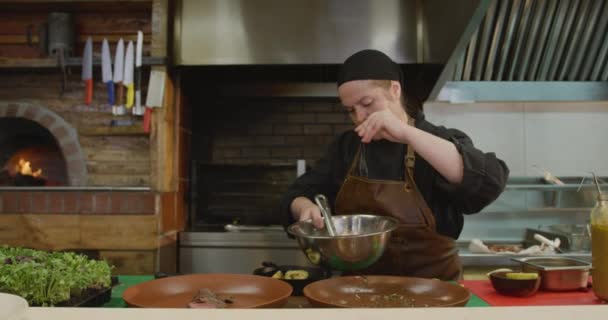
pixel 87 71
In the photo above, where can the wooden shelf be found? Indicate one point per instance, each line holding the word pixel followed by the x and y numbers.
pixel 74 5
pixel 134 130
pixel 67 1
pixel 70 62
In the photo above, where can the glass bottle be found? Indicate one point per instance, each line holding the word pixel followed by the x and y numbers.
pixel 599 246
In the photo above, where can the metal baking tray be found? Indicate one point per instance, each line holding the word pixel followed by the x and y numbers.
pixel 554 263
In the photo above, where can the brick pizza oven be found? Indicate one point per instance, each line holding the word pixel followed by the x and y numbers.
pixel 44 139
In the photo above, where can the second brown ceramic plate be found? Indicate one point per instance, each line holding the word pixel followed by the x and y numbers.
pixel 385 292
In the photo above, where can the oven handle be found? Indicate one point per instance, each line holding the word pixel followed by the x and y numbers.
pixel 234 227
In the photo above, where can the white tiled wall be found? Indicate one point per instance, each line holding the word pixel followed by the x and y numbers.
pixel 569 139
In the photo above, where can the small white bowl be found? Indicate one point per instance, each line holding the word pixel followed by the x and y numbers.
pixel 11 306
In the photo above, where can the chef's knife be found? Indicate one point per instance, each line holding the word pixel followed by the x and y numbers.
pixel 106 70
pixel 119 69
pixel 138 110
pixel 87 71
pixel 128 75
pixel 154 98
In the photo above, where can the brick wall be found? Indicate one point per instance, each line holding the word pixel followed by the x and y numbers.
pixel 78 202
pixel 263 131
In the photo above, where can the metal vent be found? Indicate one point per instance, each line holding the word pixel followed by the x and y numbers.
pixel 538 40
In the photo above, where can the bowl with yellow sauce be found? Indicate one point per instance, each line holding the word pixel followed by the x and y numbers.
pixel 515 284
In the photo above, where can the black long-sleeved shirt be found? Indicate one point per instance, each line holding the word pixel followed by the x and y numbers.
pixel 484 176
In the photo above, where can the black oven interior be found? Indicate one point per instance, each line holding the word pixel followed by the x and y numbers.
pixel 238 194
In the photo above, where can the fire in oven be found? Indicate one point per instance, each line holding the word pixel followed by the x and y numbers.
pixel 29 155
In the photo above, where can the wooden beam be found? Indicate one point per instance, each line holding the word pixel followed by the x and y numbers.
pixel 93 6
pixel 135 130
pixel 66 1
pixel 160 18
pixel 164 175
pixel 97 38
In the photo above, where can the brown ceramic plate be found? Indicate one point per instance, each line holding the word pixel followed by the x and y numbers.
pixel 385 292
pixel 245 291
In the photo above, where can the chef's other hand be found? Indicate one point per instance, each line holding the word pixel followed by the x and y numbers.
pixel 381 125
pixel 303 209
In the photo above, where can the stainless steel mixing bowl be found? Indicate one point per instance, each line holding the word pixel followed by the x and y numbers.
pixel 359 242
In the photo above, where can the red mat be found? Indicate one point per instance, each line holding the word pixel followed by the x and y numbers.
pixel 484 290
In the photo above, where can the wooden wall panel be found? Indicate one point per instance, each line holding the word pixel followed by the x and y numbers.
pixel 61 232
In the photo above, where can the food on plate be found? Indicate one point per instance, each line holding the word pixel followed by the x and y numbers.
pixel 367 300
pixel 505 247
pixel 296 275
pixel 291 275
pixel 206 298
pixel 521 275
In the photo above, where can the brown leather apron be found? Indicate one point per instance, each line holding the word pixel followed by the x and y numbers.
pixel 415 249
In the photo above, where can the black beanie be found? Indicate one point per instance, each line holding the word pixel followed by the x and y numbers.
pixel 369 65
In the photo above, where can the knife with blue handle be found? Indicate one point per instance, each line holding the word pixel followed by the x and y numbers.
pixel 106 70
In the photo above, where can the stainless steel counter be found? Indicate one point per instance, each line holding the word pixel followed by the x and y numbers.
pixel 236 252
pixel 242 252
pixel 503 260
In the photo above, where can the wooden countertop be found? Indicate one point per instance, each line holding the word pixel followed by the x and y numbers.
pixel 495 313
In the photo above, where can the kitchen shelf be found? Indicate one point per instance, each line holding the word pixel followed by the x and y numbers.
pixel 69 62
pixel 533 194
pixel 71 1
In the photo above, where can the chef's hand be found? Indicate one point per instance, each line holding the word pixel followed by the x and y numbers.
pixel 382 125
pixel 303 209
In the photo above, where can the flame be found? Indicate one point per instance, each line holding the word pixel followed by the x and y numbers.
pixel 24 168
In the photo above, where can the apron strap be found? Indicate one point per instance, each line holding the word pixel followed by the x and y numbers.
pixel 355 162
pixel 410 159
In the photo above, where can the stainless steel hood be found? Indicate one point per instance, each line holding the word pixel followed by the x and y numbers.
pixel 242 32
pixel 490 50
pixel 530 50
